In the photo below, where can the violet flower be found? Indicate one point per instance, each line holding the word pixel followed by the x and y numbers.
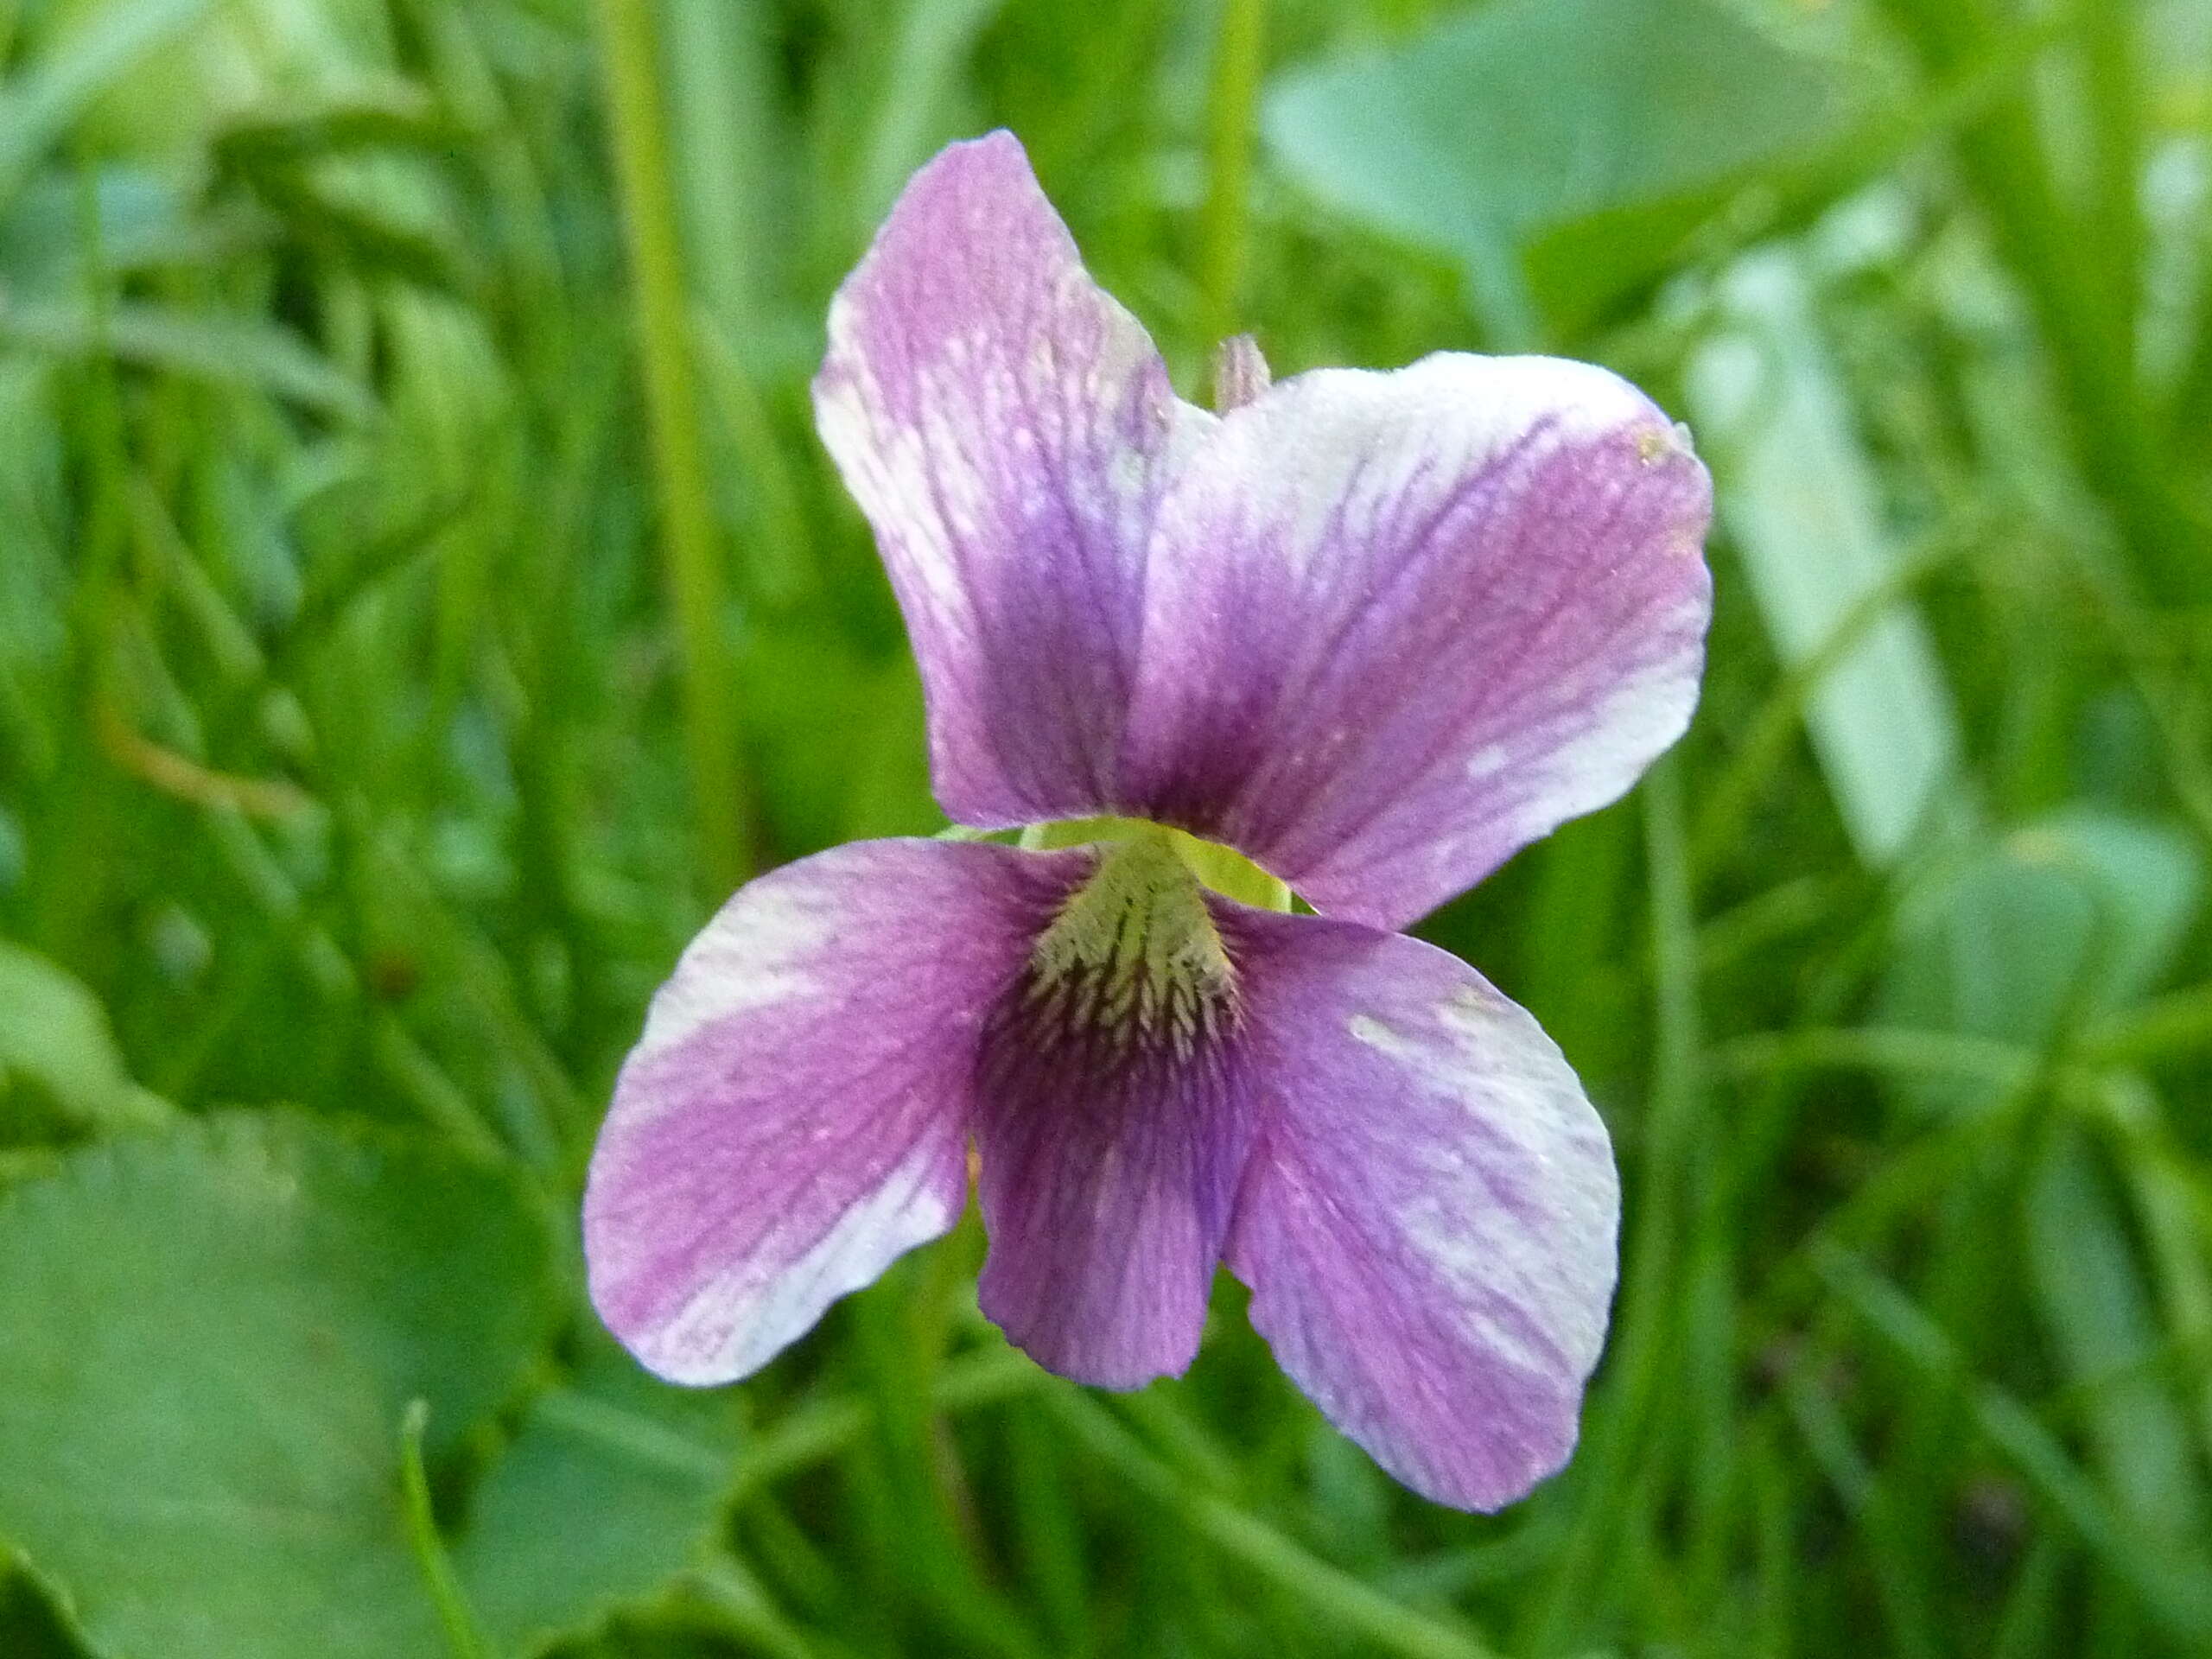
pixel 1375 632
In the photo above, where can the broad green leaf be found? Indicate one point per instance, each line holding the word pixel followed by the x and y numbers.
pixel 1518 118
pixel 2077 914
pixel 28 1627
pixel 615 1485
pixel 210 1338
pixel 57 1054
pixel 2145 880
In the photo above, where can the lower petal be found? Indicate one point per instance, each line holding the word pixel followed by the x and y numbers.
pixel 1112 1122
pixel 1107 1198
pixel 1429 1215
pixel 796 1114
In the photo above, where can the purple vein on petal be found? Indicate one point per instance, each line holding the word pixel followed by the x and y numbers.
pixel 1400 624
pixel 1111 1123
pixel 797 1115
pixel 1006 428
pixel 1427 1216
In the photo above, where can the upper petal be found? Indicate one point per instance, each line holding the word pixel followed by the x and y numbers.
pixel 796 1114
pixel 1005 425
pixel 1398 626
pixel 1429 1214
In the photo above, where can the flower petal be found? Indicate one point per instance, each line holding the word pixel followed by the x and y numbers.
pixel 1107 1198
pixel 1005 426
pixel 1112 1124
pixel 1106 1195
pixel 1398 626
pixel 796 1114
pixel 1428 1218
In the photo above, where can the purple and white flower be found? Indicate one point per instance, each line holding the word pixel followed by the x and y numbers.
pixel 1372 631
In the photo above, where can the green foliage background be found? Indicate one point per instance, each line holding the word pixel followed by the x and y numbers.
pixel 421 597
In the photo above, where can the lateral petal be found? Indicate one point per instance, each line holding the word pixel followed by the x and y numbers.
pixel 796 1114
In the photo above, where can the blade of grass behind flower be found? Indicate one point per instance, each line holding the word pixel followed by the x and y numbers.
pixel 2175 1586
pixel 42 102
pixel 1797 496
pixel 244 351
pixel 916 72
pixel 1383 1624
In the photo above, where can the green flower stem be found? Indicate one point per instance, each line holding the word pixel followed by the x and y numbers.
pixel 438 1576
pixel 1225 229
pixel 695 577
pixel 745 1607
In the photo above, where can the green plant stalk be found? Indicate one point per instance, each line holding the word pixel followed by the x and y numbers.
pixel 2173 1587
pixel 1900 1591
pixel 901 1340
pixel 75 886
pixel 918 67
pixel 826 1428
pixel 438 1576
pixel 2165 1198
pixel 746 1609
pixel 630 47
pixel 783 562
pixel 1225 230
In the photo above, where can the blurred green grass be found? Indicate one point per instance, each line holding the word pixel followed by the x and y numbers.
pixel 421 595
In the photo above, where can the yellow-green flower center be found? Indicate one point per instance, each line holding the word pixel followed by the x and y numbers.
pixel 1225 870
pixel 1135 953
